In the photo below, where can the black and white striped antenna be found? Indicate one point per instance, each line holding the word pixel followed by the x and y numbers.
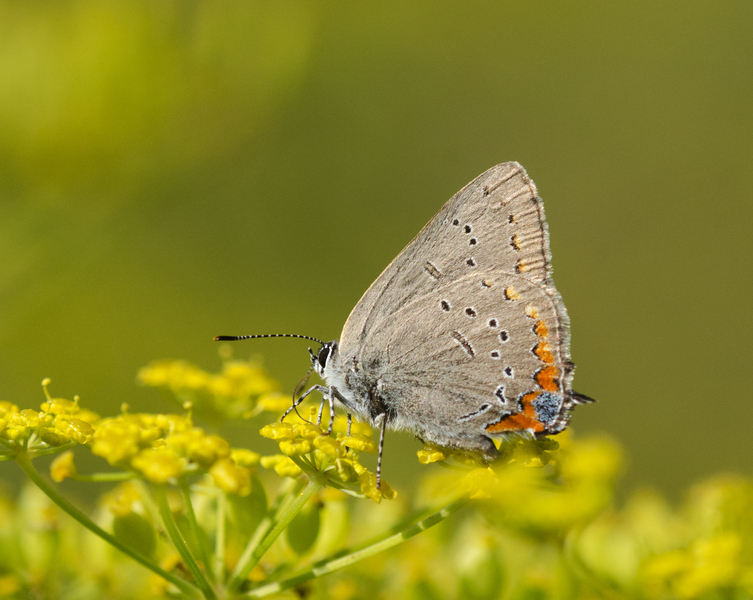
pixel 233 338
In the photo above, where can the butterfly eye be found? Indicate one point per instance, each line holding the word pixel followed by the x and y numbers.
pixel 323 356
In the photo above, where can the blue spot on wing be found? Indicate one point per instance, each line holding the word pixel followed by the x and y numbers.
pixel 547 406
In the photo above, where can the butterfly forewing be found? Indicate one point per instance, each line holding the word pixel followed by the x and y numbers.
pixel 496 222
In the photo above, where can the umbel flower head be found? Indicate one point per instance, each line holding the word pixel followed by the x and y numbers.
pixel 242 389
pixel 58 422
pixel 305 447
pixel 164 447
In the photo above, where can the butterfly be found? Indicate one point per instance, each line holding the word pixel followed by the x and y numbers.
pixel 463 338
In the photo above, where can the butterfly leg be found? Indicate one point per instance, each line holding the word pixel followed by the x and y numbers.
pixel 315 388
pixel 350 423
pixel 321 410
pixel 331 396
pixel 382 420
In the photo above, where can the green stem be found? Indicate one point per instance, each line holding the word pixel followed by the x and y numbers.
pixel 24 463
pixel 145 493
pixel 180 543
pixel 243 569
pixel 52 449
pixel 201 540
pixel 219 552
pixel 102 477
pixel 283 499
pixel 377 545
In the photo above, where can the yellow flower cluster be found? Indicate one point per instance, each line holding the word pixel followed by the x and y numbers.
pixel 163 447
pixel 306 447
pixel 241 390
pixel 525 451
pixel 482 480
pixel 59 421
pixel 571 485
pixel 542 485
pixel 702 550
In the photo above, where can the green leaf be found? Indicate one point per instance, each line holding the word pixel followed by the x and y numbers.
pixel 304 528
pixel 136 532
pixel 246 512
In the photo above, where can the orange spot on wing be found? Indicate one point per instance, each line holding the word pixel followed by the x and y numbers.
pixel 540 329
pixel 531 312
pixel 543 352
pixel 547 378
pixel 511 293
pixel 523 420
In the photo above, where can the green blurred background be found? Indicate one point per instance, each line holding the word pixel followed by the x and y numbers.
pixel 173 170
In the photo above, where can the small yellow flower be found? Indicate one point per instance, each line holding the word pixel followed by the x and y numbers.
pixel 387 492
pixel 206 449
pixel 7 407
pixel 60 406
pixel 245 458
pixel 240 378
pixel 431 454
pixel 369 488
pixel 295 447
pixel 358 441
pixel 28 418
pixel 329 446
pixel 14 433
pixel 63 467
pixel 230 477
pixel 282 465
pixel 87 416
pixel 158 464
pixel 274 402
pixel 170 424
pixel 75 429
pixel 116 440
pixel 176 375
pixel 307 431
pixel 341 426
pixel 7 410
pixel 279 431
pixel 345 470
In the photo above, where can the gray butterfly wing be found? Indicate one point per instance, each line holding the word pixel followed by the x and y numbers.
pixel 495 222
pixel 422 334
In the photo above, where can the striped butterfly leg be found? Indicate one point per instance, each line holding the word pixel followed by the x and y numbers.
pixel 381 420
pixel 314 388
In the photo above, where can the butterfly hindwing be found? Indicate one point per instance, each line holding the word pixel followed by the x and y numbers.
pixel 488 347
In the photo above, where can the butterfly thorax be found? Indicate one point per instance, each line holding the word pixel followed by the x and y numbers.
pixel 354 387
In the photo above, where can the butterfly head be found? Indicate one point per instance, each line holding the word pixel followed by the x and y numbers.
pixel 320 359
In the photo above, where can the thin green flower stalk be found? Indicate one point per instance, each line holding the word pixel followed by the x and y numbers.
pixel 347 558
pixel 24 462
